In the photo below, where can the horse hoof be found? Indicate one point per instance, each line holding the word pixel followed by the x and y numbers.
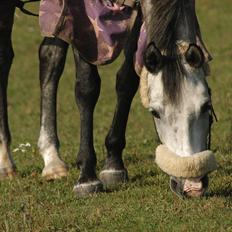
pixel 89 188
pixel 113 177
pixel 7 173
pixel 55 170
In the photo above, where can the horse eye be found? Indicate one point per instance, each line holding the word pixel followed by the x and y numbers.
pixel 205 107
pixel 155 113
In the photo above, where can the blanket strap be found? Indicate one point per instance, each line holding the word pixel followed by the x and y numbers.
pixel 21 5
pixel 130 3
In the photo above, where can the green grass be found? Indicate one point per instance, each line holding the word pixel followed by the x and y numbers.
pixel 28 203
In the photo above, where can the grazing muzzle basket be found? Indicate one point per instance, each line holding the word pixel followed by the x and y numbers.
pixel 194 166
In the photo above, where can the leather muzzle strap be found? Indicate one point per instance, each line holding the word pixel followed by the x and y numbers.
pixel 130 3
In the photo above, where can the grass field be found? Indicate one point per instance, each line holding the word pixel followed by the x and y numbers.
pixel 28 203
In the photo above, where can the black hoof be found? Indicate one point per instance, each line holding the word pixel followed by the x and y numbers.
pixel 89 188
pixel 110 177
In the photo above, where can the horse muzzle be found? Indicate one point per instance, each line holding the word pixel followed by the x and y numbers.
pixel 194 187
pixel 188 174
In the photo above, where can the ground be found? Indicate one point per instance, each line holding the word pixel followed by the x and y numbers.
pixel 28 203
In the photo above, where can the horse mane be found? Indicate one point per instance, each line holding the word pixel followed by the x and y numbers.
pixel 162 30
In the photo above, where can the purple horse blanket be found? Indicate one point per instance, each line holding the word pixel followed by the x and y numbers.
pixel 96 28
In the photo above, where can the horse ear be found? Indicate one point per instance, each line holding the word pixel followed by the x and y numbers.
pixel 194 56
pixel 152 58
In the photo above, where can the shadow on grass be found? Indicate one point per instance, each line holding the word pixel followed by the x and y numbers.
pixel 137 181
pixel 35 172
pixel 222 192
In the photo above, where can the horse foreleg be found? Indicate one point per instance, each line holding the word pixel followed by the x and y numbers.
pixel 52 55
pixel 126 86
pixel 87 92
pixel 7 167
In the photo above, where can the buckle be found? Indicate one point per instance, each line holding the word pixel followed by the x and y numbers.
pixel 130 3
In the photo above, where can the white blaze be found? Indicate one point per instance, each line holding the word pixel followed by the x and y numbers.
pixel 183 128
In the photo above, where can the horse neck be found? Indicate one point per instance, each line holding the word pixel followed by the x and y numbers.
pixel 185 23
pixel 147 6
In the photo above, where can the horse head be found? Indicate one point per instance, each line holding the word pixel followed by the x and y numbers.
pixel 177 93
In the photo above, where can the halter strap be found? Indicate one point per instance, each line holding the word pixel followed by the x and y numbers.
pixel 212 117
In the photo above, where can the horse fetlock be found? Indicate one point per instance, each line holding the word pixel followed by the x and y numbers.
pixel 47 147
pixel 55 169
pixel 7 172
pixel 87 173
pixel 7 166
pixel 87 161
pixel 114 172
pixel 114 162
pixel 49 154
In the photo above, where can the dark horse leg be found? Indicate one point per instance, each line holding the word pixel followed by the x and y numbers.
pixel 7 167
pixel 52 55
pixel 127 84
pixel 87 92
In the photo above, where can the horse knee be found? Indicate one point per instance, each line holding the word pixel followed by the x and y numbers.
pixel 52 49
pixel 89 92
pixel 127 82
pixel 87 84
pixel 52 55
